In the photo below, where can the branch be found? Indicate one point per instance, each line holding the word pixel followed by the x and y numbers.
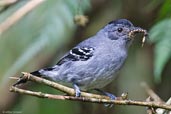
pixel 18 15
pixel 163 111
pixel 154 97
pixel 7 2
pixel 86 97
pixel 151 93
pixel 51 96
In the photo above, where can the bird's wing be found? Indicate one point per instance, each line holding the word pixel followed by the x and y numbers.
pixel 77 54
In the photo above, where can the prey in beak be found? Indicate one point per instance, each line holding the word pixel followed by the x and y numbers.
pixel 136 30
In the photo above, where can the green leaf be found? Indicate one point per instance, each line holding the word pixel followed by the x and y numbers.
pixel 165 10
pixel 160 35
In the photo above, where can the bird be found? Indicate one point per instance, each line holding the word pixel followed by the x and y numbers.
pixel 94 62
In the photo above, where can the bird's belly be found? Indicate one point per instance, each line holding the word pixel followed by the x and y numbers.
pixel 90 79
pixel 102 76
pixel 100 80
pixel 90 76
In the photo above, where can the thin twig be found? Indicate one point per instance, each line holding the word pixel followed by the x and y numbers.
pixel 15 78
pixel 150 110
pixel 154 97
pixel 151 93
pixel 18 15
pixel 7 2
pixel 163 111
pixel 92 100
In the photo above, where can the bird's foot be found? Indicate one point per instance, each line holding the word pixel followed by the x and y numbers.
pixel 77 90
pixel 111 96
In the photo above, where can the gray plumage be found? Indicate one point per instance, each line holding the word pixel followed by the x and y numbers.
pixel 94 62
pixel 109 54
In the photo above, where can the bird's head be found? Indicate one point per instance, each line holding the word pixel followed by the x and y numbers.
pixel 123 31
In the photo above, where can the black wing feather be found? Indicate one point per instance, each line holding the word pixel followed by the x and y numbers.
pixel 77 54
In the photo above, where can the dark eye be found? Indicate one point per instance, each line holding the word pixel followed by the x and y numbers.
pixel 119 29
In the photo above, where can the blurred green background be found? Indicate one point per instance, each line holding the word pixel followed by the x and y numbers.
pixel 42 36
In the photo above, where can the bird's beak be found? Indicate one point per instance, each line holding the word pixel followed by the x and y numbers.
pixel 136 30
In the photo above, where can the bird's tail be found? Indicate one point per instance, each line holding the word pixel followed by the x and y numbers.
pixel 24 80
pixel 36 73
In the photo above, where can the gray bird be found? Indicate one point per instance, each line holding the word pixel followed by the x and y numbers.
pixel 94 62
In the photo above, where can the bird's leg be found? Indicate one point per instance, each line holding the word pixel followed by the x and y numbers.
pixel 112 97
pixel 77 90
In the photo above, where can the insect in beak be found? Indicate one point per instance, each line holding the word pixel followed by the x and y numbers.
pixel 138 30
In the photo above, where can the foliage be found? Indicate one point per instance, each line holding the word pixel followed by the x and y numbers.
pixel 32 41
pixel 40 37
pixel 41 32
pixel 160 35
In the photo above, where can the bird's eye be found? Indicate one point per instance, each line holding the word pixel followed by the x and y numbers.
pixel 119 29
